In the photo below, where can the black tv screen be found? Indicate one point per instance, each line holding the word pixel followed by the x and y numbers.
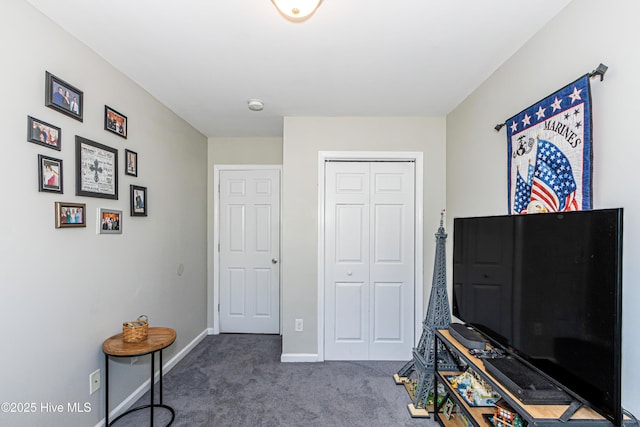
pixel 548 289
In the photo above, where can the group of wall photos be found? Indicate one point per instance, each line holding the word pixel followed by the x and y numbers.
pixel 96 164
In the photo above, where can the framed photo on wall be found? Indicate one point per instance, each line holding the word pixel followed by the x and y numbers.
pixel 131 162
pixel 109 221
pixel 96 169
pixel 70 214
pixel 49 174
pixel 43 133
pixel 115 122
pixel 138 200
pixel 63 97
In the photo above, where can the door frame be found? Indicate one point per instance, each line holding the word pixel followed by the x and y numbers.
pixel 416 157
pixel 213 308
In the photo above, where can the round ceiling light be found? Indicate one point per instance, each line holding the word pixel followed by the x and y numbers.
pixel 256 105
pixel 297 10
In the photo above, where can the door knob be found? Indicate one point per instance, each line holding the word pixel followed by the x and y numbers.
pixel 274 261
pixel 349 273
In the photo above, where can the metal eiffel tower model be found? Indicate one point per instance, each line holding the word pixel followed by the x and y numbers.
pixel 438 317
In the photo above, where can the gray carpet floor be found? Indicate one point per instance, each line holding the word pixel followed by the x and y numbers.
pixel 238 381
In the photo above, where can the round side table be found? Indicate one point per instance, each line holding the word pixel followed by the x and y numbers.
pixel 157 340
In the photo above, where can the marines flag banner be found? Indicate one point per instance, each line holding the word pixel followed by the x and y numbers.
pixel 550 153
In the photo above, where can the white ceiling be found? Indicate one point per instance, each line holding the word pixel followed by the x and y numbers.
pixel 205 59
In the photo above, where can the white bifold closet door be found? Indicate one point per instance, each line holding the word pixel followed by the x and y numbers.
pixel 369 260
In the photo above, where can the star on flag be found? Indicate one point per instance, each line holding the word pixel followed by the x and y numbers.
pixel 575 96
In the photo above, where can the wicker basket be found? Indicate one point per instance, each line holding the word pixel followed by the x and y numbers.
pixel 135 331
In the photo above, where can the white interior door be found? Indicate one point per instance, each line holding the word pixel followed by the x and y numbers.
pixel 369 260
pixel 249 271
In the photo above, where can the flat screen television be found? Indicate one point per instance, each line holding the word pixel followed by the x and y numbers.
pixel 547 288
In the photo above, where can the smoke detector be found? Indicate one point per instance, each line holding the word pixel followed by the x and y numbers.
pixel 256 105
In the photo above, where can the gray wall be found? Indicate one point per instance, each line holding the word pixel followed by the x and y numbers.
pixel 232 151
pixel 66 290
pixel 304 138
pixel 245 151
pixel 586 33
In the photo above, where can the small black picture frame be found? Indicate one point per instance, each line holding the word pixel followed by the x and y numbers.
pixel 115 122
pixel 49 174
pixel 44 133
pixel 63 97
pixel 130 162
pixel 139 200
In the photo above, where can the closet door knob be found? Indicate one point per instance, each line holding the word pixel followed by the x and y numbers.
pixel 274 261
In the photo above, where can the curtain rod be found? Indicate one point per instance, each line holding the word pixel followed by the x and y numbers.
pixel 599 71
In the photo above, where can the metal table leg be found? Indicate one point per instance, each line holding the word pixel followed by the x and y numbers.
pixel 151 404
pixel 106 390
pixel 153 371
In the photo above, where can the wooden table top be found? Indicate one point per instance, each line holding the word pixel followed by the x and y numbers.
pixel 157 339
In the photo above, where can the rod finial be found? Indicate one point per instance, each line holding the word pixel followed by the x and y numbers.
pixel 599 71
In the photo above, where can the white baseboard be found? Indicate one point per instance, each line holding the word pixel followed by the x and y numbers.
pixel 212 331
pixel 182 353
pixel 145 386
pixel 298 357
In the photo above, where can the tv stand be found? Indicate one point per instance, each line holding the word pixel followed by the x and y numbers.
pixel 571 413
pixel 575 405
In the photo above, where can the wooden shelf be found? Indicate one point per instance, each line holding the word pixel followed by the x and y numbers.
pixel 477 412
pixel 543 415
pixel 451 422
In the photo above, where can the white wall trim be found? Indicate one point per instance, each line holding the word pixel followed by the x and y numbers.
pixel 298 357
pixel 213 287
pixel 416 157
pixel 145 386
pixel 171 363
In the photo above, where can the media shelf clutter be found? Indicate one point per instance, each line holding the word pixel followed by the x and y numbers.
pixel 467 336
pixel 473 396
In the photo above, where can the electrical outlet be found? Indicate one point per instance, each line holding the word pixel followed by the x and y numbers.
pixel 299 325
pixel 94 381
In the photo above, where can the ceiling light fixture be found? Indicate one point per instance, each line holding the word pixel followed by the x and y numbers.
pixel 255 105
pixel 297 10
